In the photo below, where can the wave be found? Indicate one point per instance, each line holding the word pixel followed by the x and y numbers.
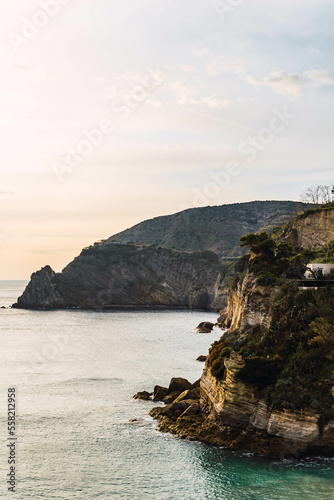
pixel 86 380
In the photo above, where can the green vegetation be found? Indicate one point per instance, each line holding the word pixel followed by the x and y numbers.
pixel 322 208
pixel 217 229
pixel 291 363
pixel 326 254
pixel 207 255
pixel 272 261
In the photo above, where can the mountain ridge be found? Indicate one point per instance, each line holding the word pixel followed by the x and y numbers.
pixel 217 228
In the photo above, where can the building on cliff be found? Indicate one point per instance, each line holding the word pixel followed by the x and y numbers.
pixel 317 270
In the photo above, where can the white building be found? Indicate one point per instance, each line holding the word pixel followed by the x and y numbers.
pixel 317 270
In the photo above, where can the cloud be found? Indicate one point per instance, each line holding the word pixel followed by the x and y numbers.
pixel 216 67
pixel 290 84
pixel 7 192
pixel 184 93
pixel 215 101
pixel 318 77
pixel 202 52
pixel 21 67
pixel 186 68
pixel 154 103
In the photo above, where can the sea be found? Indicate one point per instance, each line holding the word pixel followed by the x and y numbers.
pixel 79 432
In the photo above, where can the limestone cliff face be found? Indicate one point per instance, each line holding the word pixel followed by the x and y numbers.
pixel 127 275
pixel 246 422
pixel 249 304
pixel 312 231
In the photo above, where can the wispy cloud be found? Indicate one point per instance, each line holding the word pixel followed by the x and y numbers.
pixel 202 52
pixel 186 68
pixel 292 84
pixel 217 67
pixel 216 101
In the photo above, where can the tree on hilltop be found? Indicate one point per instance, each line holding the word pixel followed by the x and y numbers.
pixel 317 195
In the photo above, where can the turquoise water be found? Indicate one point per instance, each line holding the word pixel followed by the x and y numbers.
pixel 75 374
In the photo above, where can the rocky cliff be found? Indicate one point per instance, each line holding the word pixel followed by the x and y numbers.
pixel 107 275
pixel 116 273
pixel 263 389
pixel 229 412
pixel 248 304
pixel 268 384
pixel 311 230
pixel 247 422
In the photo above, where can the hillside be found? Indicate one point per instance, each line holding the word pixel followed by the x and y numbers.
pixel 212 228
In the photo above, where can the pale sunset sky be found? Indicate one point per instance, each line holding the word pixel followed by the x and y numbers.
pixel 116 112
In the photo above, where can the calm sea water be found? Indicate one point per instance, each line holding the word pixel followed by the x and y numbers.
pixel 76 373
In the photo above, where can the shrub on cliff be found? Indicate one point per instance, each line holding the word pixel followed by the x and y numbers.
pixel 291 363
pixel 217 354
pixel 267 257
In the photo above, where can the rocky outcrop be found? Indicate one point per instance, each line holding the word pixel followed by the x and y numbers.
pixel 229 413
pixel 268 384
pixel 311 230
pixel 235 408
pixel 248 304
pixel 108 275
pixel 44 289
pixel 205 327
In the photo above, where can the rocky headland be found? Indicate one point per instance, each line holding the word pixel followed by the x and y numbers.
pixel 268 383
pixel 109 275
pixel 182 260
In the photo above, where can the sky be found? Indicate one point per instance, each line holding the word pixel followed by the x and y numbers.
pixel 117 112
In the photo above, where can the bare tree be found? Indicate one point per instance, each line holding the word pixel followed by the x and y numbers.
pixel 317 195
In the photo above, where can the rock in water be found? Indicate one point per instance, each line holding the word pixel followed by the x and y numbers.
pixel 178 385
pixel 205 327
pixel 159 393
pixel 143 395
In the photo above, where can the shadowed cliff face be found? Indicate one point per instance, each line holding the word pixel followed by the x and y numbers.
pixel 127 275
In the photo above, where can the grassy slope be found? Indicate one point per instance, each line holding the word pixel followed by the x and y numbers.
pixel 211 228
